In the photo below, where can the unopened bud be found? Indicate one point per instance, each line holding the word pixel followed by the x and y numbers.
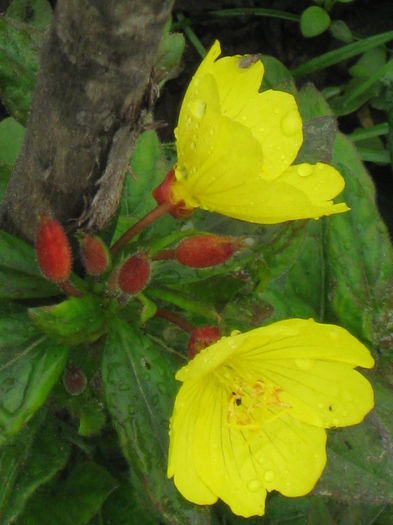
pixel 53 250
pixel 134 274
pixel 163 194
pixel 202 337
pixel 95 254
pixel 74 381
pixel 202 251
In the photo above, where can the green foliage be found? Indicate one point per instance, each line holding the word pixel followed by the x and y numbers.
pixel 60 459
pixel 314 21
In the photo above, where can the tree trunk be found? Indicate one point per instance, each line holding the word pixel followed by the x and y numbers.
pixel 91 96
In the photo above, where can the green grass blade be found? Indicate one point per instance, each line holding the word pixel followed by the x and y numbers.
pixel 368 133
pixel 272 13
pixel 343 53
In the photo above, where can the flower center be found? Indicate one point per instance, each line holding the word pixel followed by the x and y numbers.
pixel 253 404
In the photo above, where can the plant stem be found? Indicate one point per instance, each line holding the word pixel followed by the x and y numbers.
pixel 175 319
pixel 70 289
pixel 164 255
pixel 148 219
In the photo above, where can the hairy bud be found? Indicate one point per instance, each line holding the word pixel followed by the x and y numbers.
pixel 53 250
pixel 202 337
pixel 74 381
pixel 134 274
pixel 95 254
pixel 202 251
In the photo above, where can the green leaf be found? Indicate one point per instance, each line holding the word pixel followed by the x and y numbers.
pixel 318 138
pixel 314 21
pixel 338 55
pixel 148 170
pixel 20 276
pixel 27 461
pixel 19 56
pixel 35 13
pixel 169 53
pixel 72 500
pixel 11 137
pixel 140 388
pixel 340 31
pixel 75 320
pixel 92 418
pixel 360 255
pixel 277 76
pixel 5 174
pixel 360 463
pixel 124 507
pixel 28 372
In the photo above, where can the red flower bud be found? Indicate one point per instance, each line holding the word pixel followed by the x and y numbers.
pixel 202 251
pixel 74 381
pixel 163 194
pixel 95 254
pixel 201 338
pixel 53 250
pixel 134 274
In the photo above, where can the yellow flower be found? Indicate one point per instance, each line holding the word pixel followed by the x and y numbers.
pixel 250 415
pixel 235 147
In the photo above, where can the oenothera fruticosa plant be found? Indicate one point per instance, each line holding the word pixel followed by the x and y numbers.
pixel 251 413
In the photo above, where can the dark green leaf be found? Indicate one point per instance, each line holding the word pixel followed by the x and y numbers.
pixel 35 13
pixel 140 388
pixel 11 137
pixel 72 500
pixel 75 320
pixel 27 461
pixel 92 418
pixel 20 276
pixel 277 76
pixel 19 54
pixel 27 374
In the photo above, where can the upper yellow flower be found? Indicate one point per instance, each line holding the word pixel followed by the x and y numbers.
pixel 251 412
pixel 235 147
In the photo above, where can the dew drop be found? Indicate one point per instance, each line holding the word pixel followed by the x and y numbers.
pixel 291 123
pixel 303 364
pixel 304 170
pixel 198 108
pixel 276 111
pixel 320 405
pixel 254 485
pixel 269 475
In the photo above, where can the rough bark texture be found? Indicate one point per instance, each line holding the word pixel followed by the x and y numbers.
pixel 92 91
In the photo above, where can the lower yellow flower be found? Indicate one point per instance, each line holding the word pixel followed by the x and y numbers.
pixel 235 149
pixel 250 415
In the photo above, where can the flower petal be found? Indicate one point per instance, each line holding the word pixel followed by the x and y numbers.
pixel 289 455
pixel 181 460
pixel 321 393
pixel 220 453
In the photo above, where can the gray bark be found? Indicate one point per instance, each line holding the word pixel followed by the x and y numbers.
pixel 92 93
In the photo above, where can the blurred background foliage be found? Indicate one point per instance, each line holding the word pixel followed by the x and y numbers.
pixel 83 420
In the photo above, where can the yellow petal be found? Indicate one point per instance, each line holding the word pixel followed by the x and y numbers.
pixel 288 339
pixel 181 461
pixel 220 453
pixel 321 393
pixel 288 455
pixel 320 182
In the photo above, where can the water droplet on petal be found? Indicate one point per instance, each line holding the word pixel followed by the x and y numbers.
pixel 198 108
pixel 269 475
pixel 303 364
pixel 304 170
pixel 254 485
pixel 291 123
pixel 276 111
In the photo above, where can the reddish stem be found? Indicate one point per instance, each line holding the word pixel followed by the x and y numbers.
pixel 70 289
pixel 175 319
pixel 148 219
pixel 164 255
